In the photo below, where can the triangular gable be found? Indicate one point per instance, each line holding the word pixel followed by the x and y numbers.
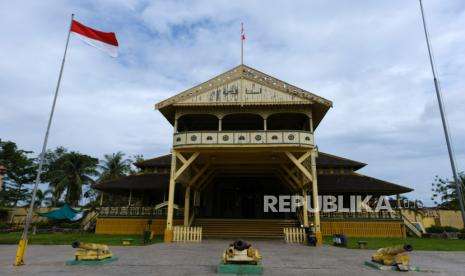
pixel 242 91
pixel 243 85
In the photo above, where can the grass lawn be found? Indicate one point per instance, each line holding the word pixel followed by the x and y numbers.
pixel 68 238
pixel 417 243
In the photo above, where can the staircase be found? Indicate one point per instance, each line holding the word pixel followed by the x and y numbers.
pixel 411 227
pixel 244 228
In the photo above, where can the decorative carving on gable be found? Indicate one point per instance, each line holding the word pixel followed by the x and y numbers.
pixel 242 90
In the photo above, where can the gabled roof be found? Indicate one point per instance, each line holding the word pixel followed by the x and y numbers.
pixel 324 160
pixel 319 104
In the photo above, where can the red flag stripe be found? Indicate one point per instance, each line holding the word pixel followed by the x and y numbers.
pixel 81 29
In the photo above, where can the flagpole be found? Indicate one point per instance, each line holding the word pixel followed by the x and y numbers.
pixel 242 43
pixel 443 118
pixel 22 246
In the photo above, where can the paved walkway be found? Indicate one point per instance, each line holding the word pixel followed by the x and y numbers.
pixel 201 259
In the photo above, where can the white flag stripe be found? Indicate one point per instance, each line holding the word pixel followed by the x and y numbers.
pixel 110 49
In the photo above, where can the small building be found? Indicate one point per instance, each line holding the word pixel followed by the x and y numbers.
pixel 237 138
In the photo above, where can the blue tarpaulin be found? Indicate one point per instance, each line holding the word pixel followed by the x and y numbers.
pixel 64 213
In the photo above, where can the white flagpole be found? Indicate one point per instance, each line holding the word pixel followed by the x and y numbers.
pixel 22 246
pixel 242 43
pixel 443 118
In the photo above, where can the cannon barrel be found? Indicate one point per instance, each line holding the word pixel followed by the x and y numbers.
pixel 241 245
pixel 394 250
pixel 89 246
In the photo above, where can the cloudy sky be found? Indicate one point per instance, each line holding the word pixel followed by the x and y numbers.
pixel 368 57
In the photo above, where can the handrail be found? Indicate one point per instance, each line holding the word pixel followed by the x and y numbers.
pixel 411 227
pixel 147 211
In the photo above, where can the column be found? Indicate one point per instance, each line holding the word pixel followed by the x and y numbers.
pixel 265 127
pixel 130 197
pixel 186 205
pixel 176 125
pixel 316 207
pixel 169 217
pixel 220 124
pixel 305 207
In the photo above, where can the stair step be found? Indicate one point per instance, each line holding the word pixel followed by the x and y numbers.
pixel 244 228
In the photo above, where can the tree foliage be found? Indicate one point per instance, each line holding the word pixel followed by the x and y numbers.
pixel 114 166
pixel 445 192
pixel 69 173
pixel 21 171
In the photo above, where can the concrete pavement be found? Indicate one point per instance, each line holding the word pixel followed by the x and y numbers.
pixel 201 259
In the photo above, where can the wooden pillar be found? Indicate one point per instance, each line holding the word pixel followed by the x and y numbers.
pixel 176 126
pixel 186 205
pixel 101 199
pixel 305 207
pixel 169 216
pixel 175 173
pixel 130 197
pixel 316 207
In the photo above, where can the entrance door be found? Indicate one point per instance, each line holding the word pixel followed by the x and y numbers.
pixel 240 197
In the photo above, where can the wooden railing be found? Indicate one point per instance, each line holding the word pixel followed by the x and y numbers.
pixel 295 235
pixel 136 212
pixel 411 227
pixel 384 215
pixel 187 234
pixel 255 137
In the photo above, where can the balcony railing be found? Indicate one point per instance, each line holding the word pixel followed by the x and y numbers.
pixel 383 215
pixel 136 212
pixel 253 137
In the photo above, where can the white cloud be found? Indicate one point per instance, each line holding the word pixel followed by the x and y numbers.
pixel 368 57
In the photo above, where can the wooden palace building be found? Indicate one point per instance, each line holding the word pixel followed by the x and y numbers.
pixel 236 138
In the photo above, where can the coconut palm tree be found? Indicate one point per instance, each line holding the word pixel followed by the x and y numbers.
pixel 43 199
pixel 114 166
pixel 73 171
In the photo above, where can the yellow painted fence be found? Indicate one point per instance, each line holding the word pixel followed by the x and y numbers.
pixel 128 226
pixel 392 229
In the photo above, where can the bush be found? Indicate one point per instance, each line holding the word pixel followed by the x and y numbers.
pixel 451 229
pixel 441 229
pixel 4 225
pixel 3 214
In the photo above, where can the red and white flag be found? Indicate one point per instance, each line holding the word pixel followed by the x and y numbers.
pixel 242 31
pixel 104 41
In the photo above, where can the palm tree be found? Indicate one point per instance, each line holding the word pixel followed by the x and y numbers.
pixel 74 170
pixel 114 166
pixel 42 199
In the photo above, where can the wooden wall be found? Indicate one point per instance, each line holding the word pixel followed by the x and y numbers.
pixel 128 226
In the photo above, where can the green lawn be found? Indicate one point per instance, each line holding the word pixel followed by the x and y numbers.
pixel 67 239
pixel 373 243
pixel 417 243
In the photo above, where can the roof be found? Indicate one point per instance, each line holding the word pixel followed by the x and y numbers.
pixel 323 160
pixel 160 161
pixel 144 181
pixel 350 183
pixel 320 105
pixel 327 183
pixel 333 161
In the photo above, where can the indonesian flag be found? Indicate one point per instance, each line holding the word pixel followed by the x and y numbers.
pixel 104 41
pixel 242 31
